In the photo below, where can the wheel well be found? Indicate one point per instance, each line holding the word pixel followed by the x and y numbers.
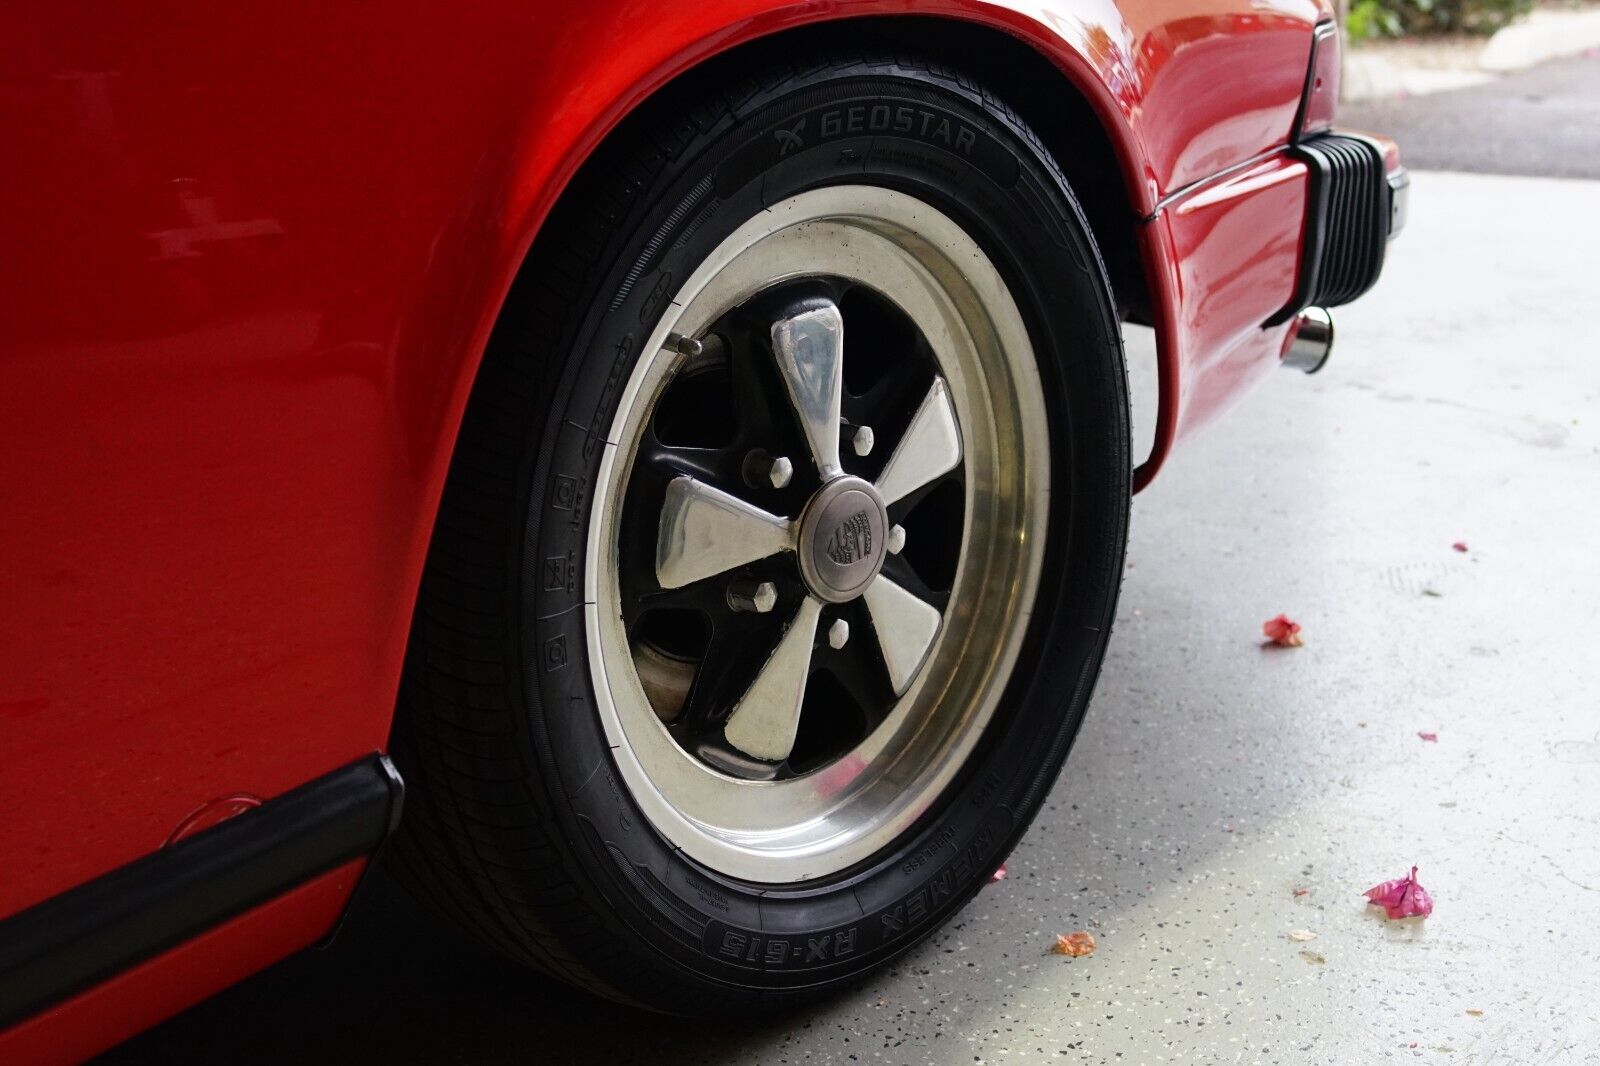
pixel 1063 119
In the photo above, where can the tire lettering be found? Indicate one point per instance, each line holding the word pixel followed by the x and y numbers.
pixel 567 494
pixel 564 493
pixel 772 953
pixel 647 313
pixel 890 926
pixel 621 360
pixel 881 118
pixel 791 139
pixel 560 575
pixel 555 653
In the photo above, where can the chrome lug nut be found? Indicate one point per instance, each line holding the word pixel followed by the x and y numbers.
pixel 753 598
pixel 761 470
pixel 838 634
pixel 897 539
pixel 863 440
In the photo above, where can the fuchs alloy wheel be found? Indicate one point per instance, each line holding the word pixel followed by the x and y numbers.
pixel 804 597
pixel 780 546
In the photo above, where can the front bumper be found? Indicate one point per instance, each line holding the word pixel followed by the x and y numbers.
pixel 1399 198
pixel 1355 204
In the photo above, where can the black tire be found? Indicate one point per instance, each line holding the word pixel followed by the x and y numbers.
pixel 517 824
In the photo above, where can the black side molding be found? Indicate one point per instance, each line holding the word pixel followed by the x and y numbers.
pixel 95 931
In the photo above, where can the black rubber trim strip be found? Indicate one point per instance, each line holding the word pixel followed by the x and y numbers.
pixel 87 934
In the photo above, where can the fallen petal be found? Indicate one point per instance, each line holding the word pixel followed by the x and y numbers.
pixel 1314 957
pixel 998 875
pixel 1302 935
pixel 1475 1012
pixel 1302 892
pixel 1282 631
pixel 1460 545
pixel 1402 898
pixel 1074 944
pixel 1431 738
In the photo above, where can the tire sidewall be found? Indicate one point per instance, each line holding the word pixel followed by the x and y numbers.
pixel 936 140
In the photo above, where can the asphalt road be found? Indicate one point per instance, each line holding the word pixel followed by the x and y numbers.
pixel 1540 122
pixel 1215 778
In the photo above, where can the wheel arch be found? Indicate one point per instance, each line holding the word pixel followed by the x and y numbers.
pixel 555 130
pixel 1084 124
pixel 1087 125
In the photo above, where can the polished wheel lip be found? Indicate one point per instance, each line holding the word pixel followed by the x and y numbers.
pixel 784 832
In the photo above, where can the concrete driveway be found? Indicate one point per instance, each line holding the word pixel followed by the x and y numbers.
pixel 1216 779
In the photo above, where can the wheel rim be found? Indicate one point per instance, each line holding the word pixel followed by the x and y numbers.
pixel 737 603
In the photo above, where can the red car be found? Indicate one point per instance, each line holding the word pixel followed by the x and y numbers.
pixel 683 449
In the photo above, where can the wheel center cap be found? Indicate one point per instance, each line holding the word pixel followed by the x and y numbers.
pixel 843 532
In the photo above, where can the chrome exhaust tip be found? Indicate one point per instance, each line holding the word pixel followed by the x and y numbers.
pixel 1310 340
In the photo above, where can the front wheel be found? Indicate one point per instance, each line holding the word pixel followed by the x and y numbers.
pixel 781 545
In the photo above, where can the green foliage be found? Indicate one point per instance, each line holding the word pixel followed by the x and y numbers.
pixel 1398 18
pixel 1370 18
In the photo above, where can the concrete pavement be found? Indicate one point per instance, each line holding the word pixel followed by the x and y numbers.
pixel 1543 122
pixel 1214 778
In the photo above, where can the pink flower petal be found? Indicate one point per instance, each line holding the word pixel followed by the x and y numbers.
pixel 1282 631
pixel 1460 545
pixel 1402 898
pixel 1431 738
pixel 998 875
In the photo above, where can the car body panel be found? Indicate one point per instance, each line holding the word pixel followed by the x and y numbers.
pixel 253 276
pixel 134 1000
pixel 253 254
pixel 1229 252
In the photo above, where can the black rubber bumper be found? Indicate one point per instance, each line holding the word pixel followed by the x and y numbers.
pixel 1354 206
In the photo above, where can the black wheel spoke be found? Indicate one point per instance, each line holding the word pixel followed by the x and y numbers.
pixel 858 667
pixel 738 648
pixel 887 407
pixel 901 573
